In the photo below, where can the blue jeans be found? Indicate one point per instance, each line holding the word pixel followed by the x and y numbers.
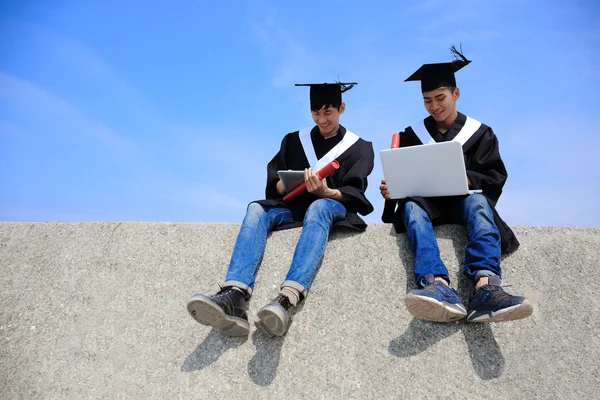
pixel 252 239
pixel 482 254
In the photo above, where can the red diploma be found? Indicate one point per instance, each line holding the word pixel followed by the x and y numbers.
pixel 322 174
pixel 395 140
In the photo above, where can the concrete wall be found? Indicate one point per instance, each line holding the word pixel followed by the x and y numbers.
pixel 97 310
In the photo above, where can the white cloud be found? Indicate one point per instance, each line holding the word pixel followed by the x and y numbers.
pixel 175 171
pixel 33 104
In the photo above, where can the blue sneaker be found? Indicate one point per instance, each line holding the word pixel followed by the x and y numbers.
pixel 490 303
pixel 435 302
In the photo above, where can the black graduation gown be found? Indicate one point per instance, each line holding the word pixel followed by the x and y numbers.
pixel 484 168
pixel 356 163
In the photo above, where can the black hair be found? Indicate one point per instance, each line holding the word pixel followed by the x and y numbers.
pixel 317 107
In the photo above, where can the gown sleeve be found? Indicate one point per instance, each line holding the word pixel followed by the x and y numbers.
pixel 354 182
pixel 485 168
pixel 277 163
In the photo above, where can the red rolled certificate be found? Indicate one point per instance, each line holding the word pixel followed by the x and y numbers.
pixel 322 174
pixel 395 140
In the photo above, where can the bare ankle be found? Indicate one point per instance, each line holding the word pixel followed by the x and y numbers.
pixel 439 278
pixel 481 282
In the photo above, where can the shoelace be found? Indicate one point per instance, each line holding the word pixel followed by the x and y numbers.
pixel 223 291
pixel 284 301
pixel 493 288
pixel 496 287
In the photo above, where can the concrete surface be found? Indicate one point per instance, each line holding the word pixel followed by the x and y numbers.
pixel 97 310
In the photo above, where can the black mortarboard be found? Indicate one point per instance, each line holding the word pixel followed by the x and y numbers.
pixel 433 76
pixel 322 94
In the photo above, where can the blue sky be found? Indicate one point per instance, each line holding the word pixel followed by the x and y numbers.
pixel 156 111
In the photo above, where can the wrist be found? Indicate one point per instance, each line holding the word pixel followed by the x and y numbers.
pixel 334 194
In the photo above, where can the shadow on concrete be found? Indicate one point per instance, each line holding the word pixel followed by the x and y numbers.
pixel 488 361
pixel 406 259
pixel 262 368
pixel 210 350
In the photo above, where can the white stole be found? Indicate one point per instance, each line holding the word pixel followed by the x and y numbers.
pixel 348 140
pixel 469 128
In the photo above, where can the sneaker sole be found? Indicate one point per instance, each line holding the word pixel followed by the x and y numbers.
pixel 432 310
pixel 271 321
pixel 205 312
pixel 520 311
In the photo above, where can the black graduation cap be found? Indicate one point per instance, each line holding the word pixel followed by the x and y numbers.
pixel 433 76
pixel 322 94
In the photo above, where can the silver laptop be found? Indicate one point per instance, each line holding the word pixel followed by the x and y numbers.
pixel 428 170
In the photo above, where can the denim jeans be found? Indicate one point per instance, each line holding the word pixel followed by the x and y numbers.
pixel 251 241
pixel 482 254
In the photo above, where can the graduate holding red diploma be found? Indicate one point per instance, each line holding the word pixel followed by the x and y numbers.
pixel 336 163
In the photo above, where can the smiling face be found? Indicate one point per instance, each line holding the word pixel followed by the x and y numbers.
pixel 328 119
pixel 440 103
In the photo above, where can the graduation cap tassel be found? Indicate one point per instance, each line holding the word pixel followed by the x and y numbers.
pixel 458 56
pixel 345 88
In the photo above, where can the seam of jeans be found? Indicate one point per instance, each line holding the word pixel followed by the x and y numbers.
pixel 253 271
pixel 324 223
pixel 264 242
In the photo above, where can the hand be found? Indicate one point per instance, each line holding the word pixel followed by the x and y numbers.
pixel 469 183
pixel 316 185
pixel 280 188
pixel 384 190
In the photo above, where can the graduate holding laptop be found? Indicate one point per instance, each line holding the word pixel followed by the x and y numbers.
pixel 316 180
pixel 448 169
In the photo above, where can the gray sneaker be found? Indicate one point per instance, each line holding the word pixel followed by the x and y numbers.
pixel 226 310
pixel 274 319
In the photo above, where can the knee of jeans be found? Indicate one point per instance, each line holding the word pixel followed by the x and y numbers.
pixel 318 210
pixel 413 212
pixel 254 213
pixel 477 204
pixel 478 212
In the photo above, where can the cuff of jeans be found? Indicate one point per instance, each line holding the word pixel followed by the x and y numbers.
pixel 421 282
pixel 484 273
pixel 295 285
pixel 240 285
